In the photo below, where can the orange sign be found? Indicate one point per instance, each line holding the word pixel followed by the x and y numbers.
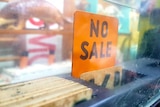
pixel 95 41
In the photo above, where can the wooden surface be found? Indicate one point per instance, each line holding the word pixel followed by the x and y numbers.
pixel 8 39
pixel 103 77
pixel 46 92
pixel 9 58
pixel 5 0
pixel 50 32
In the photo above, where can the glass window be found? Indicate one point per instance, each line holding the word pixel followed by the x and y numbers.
pixel 36 41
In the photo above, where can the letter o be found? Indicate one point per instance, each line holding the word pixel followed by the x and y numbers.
pixel 104 31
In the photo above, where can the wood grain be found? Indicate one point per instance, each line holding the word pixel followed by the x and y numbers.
pixel 46 92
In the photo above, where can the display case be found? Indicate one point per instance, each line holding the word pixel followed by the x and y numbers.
pixel 28 43
pixel 37 55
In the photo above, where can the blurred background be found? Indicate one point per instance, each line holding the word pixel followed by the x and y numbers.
pixel 136 17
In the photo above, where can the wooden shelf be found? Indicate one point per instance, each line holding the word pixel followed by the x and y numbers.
pixel 8 39
pixel 5 0
pixel 49 32
pixel 9 58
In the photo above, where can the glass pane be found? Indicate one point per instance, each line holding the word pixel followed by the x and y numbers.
pixel 36 41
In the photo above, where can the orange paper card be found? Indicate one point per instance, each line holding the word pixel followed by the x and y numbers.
pixel 95 42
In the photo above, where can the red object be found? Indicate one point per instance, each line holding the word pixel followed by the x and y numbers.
pixel 37 23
